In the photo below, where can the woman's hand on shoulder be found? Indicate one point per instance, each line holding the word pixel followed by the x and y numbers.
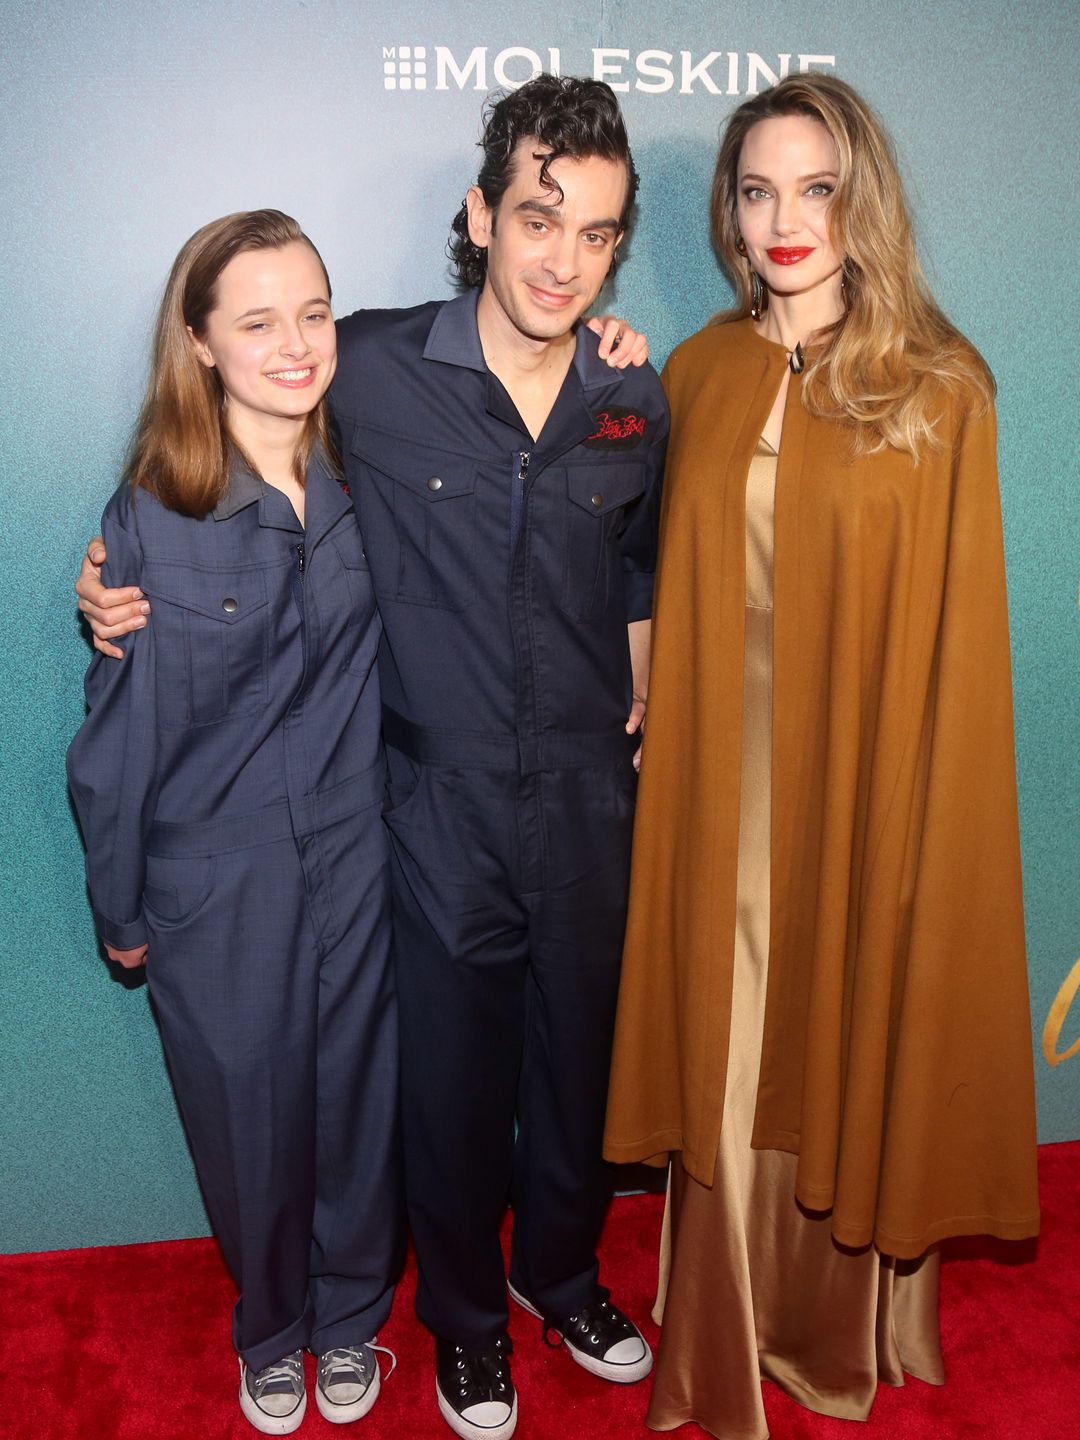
pixel 620 345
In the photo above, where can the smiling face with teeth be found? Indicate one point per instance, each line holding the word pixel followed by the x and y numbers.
pixel 271 339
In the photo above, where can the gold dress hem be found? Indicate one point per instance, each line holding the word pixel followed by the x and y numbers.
pixel 752 1286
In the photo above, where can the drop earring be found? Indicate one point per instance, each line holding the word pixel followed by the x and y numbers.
pixel 759 296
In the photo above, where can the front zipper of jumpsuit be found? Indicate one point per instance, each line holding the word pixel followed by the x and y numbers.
pixel 518 487
pixel 298 596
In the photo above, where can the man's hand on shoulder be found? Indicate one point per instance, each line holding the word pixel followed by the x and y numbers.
pixel 110 612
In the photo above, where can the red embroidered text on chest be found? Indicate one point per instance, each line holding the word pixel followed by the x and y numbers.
pixel 617 428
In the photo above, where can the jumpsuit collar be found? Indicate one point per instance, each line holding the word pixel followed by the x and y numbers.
pixel 454 339
pixel 324 505
pixel 243 489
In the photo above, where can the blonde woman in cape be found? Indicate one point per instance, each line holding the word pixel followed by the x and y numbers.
pixel 823 1015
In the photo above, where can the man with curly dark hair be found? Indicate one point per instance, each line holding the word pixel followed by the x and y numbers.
pixel 507 480
pixel 509 514
pixel 566 118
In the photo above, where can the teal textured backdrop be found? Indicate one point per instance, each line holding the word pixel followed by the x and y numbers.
pixel 124 128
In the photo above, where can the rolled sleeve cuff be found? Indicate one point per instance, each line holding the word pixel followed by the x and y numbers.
pixel 126 936
pixel 638 585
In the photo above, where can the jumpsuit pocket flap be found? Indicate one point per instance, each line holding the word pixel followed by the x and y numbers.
pixel 349 544
pixel 600 489
pixel 430 474
pixel 224 595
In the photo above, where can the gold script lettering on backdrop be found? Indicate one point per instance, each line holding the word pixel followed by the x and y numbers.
pixel 1055 1019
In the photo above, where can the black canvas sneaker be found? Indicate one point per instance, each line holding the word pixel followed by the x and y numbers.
pixel 476 1395
pixel 599 1337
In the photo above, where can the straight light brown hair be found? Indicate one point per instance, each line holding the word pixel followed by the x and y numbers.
pixel 883 365
pixel 182 448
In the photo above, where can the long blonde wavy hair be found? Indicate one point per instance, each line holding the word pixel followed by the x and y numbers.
pixel 883 364
pixel 181 449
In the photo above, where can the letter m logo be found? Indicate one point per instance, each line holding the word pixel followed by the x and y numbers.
pixel 404 67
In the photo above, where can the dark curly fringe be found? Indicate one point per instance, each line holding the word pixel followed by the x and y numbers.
pixel 572 117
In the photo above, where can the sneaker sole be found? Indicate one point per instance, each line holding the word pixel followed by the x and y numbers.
pixel 603 1369
pixel 467 1430
pixel 346 1414
pixel 271 1424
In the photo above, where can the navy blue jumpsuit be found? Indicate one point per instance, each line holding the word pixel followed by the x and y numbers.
pixel 506 571
pixel 229 785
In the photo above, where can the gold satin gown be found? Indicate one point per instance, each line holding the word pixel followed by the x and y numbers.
pixel 752 1285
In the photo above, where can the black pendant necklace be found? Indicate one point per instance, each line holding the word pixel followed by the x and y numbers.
pixel 796 360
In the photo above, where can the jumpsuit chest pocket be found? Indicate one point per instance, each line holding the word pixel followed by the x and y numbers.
pixel 211 637
pixel 419 514
pixel 597 497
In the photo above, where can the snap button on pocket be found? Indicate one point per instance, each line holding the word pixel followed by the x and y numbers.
pixel 597 500
pixel 213 641
pixel 419 519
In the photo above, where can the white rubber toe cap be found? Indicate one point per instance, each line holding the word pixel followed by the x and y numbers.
pixel 627 1352
pixel 490 1420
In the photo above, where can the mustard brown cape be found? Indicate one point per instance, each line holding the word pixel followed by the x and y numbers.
pixel 897 1056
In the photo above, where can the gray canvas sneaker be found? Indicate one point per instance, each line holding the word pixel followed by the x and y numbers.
pixel 348 1382
pixel 274 1399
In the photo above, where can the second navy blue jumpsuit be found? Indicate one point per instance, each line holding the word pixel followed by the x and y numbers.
pixel 229 785
pixel 506 571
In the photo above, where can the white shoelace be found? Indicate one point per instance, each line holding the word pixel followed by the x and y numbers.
pixel 288 1370
pixel 347 1357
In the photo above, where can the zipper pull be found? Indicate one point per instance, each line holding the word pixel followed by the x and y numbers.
pixel 523 469
pixel 300 558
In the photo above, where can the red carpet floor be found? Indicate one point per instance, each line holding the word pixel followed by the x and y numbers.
pixel 90 1339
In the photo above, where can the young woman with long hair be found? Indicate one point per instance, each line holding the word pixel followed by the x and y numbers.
pixel 823 1014
pixel 228 780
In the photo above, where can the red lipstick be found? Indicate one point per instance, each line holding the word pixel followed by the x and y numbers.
pixel 783 255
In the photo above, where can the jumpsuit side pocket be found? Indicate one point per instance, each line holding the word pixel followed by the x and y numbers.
pixel 404 783
pixel 175 890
